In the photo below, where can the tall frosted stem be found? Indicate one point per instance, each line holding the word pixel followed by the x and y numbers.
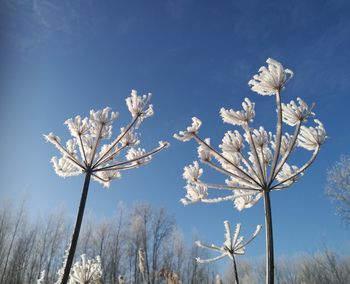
pixel 235 269
pixel 76 232
pixel 269 239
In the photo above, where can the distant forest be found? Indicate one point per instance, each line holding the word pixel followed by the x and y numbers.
pixel 27 248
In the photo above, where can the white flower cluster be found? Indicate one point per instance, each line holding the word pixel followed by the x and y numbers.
pixel 271 79
pixel 311 138
pixel 187 134
pixel 139 107
pixel 81 154
pixel 82 272
pixel 233 244
pixel 257 160
pixel 86 271
pixel 293 114
pixel 41 277
pixel 240 117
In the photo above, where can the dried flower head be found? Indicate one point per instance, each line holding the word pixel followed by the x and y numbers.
pixel 169 276
pixel 293 114
pixel 121 279
pixel 233 244
pixel 255 161
pixel 187 134
pixel 81 154
pixel 271 79
pixel 86 271
pixel 312 138
pixel 239 117
pixel 41 277
pixel 141 255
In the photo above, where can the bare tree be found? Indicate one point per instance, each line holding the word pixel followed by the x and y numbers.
pixel 162 227
pixel 16 226
pixel 324 267
pixel 32 247
pixel 116 247
pixel 5 217
pixel 338 187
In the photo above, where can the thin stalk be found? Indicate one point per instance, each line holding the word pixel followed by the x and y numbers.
pixel 201 141
pixel 263 161
pixel 72 160
pixel 115 166
pixel 65 152
pixel 302 169
pixel 122 168
pixel 227 187
pixel 112 156
pixel 98 138
pixel 230 174
pixel 218 199
pixel 83 150
pixel 76 232
pixel 235 269
pixel 278 136
pixel 289 150
pixel 116 141
pixel 269 239
pixel 250 168
pixel 255 153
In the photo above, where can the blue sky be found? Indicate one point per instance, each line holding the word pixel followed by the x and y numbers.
pixel 61 60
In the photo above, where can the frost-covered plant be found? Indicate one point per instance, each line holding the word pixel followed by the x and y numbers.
pixel 255 162
pixel 233 245
pixel 142 269
pixel 84 154
pixel 218 279
pixel 121 279
pixel 169 276
pixel 41 277
pixel 86 271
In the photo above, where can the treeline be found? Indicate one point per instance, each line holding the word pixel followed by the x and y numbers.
pixel 27 248
pixel 324 267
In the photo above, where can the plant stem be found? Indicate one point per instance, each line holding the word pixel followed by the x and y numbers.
pixel 278 138
pixel 76 232
pixel 235 269
pixel 269 239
